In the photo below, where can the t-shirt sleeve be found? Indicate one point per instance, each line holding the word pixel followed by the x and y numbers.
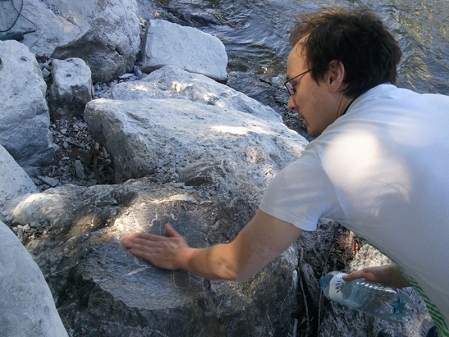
pixel 302 193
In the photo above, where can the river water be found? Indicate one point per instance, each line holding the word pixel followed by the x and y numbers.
pixel 255 34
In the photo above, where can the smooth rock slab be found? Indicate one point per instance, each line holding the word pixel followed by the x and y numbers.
pixel 100 289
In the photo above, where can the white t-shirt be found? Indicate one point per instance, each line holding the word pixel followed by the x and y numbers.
pixel 382 171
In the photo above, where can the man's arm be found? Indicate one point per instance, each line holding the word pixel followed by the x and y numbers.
pixel 258 243
pixel 387 274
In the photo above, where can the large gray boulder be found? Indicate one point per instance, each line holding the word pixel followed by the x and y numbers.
pixel 24 116
pixel 215 131
pixel 27 308
pixel 100 289
pixel 162 137
pixel 167 43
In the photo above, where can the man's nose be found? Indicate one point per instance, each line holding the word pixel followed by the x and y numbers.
pixel 292 104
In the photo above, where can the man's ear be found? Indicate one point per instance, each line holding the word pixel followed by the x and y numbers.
pixel 335 76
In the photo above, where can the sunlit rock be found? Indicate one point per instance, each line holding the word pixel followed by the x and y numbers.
pixel 173 82
pixel 188 48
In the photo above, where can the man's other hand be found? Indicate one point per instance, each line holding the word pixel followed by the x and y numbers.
pixel 387 274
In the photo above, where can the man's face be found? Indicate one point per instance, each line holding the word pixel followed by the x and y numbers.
pixel 313 102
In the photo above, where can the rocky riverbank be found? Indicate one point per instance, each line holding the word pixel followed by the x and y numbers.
pixel 174 144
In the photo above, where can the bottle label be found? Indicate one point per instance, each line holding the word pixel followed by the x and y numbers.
pixel 335 287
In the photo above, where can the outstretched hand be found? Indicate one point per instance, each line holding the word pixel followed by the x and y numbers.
pixel 162 251
pixel 257 244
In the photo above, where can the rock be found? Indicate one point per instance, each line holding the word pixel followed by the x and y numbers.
pixel 53 28
pixel 100 289
pixel 13 179
pixel 71 89
pixel 79 169
pixel 188 48
pixel 26 305
pixel 52 182
pixel 105 34
pixel 24 117
pixel 189 120
pixel 173 82
pixel 109 37
pixel 157 137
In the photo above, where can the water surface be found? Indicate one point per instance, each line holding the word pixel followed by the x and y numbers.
pixel 255 33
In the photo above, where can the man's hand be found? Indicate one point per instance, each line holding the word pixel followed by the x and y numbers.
pixel 258 243
pixel 164 252
pixel 388 274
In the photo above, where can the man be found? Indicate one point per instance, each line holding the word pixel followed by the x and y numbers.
pixel 378 166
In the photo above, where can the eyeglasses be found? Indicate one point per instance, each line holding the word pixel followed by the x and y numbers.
pixel 291 90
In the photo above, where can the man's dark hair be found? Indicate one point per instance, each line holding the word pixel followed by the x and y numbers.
pixel 357 38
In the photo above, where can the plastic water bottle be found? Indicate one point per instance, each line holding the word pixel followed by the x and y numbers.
pixel 388 303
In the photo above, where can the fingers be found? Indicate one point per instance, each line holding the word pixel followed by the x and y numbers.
pixel 142 244
pixel 355 275
pixel 152 237
pixel 171 231
pixel 158 252
pixel 142 252
pixel 157 256
pixel 375 274
pixel 140 238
